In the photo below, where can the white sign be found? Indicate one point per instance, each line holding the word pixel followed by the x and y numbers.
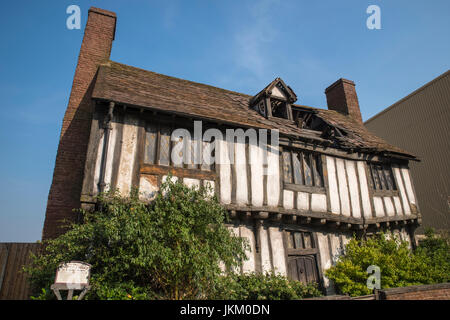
pixel 73 274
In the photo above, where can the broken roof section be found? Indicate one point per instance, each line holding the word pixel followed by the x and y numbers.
pixel 145 89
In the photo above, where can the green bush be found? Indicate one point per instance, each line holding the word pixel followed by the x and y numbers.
pixel 399 266
pixel 168 249
pixel 258 286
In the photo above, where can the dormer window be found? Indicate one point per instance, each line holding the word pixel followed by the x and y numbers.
pixel 275 100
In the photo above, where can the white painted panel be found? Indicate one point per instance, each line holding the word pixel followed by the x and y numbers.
pixel 353 188
pixel 265 250
pixel 111 149
pixel 398 205
pixel 390 210
pixel 98 162
pixel 273 176
pixel 288 199
pixel 325 260
pixel 378 204
pixel 256 169
pixel 405 236
pixel 367 208
pixel 173 179
pixel 192 182
pixel 332 185
pixel 127 154
pixel 249 264
pixel 303 201
pixel 408 185
pixel 401 188
pixel 209 184
pixel 343 190
pixel 278 258
pixel 277 92
pixel 148 187
pixel 225 172
pixel 336 248
pixel 240 166
pixel 318 202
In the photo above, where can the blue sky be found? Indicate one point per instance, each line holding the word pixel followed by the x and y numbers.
pixel 236 45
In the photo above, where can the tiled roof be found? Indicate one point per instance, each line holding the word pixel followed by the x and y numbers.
pixel 133 86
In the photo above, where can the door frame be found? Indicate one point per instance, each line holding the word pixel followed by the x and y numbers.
pixel 314 251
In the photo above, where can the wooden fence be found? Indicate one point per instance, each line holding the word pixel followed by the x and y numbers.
pixel 13 281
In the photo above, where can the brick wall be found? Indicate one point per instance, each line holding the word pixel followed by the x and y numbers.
pixel 65 190
pixel 439 291
pixel 342 97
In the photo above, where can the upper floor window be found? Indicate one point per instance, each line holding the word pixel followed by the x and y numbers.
pixel 302 168
pixel 382 177
pixel 159 148
pixel 275 100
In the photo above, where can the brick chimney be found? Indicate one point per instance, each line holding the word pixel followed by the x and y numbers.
pixel 341 97
pixel 65 190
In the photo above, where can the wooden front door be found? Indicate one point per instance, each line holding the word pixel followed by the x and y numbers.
pixel 302 255
pixel 303 268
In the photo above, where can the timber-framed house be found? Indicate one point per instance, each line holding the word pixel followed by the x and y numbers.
pixel 326 179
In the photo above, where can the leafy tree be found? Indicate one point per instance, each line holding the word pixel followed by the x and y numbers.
pixel 399 266
pixel 168 249
pixel 435 248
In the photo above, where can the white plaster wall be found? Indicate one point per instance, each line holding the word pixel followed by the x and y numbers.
pixel 408 185
pixel 390 210
pixel 353 188
pixel 225 172
pixel 325 260
pixel 191 182
pixel 318 202
pixel 273 176
pixel 277 92
pixel 332 185
pixel 303 201
pixel 257 181
pixel 364 188
pixel 148 187
pixel 241 174
pixel 210 184
pixel 401 188
pixel 278 257
pixel 98 162
pixel 288 199
pixel 128 154
pixel 111 149
pixel 378 204
pixel 398 205
pixel 343 190
pixel 335 246
pixel 266 264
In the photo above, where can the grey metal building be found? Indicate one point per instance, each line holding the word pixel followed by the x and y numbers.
pixel 420 124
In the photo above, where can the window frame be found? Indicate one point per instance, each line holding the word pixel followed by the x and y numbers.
pixel 380 184
pixel 159 127
pixel 316 170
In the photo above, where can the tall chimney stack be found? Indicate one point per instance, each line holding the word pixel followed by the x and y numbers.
pixel 65 190
pixel 341 97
